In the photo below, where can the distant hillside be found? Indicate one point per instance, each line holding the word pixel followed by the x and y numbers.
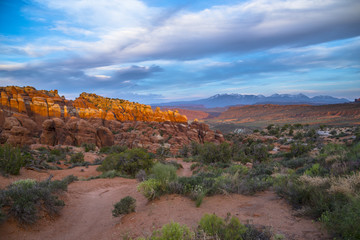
pixel 223 100
pixel 190 114
pixel 348 113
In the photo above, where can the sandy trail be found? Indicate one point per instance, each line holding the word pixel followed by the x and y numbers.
pixel 87 214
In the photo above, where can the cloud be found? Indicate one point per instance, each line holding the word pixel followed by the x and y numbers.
pixel 136 48
pixel 130 31
pixel 136 72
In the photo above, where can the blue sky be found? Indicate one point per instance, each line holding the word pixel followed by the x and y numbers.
pixel 160 50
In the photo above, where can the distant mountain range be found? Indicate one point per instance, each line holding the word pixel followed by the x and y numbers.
pixel 224 100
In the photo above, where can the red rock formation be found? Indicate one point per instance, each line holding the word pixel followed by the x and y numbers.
pixel 44 104
pixel 29 116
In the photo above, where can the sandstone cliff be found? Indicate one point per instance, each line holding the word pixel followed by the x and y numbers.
pixel 29 116
pixel 46 104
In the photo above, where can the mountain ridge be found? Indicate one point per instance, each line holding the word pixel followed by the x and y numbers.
pixel 234 99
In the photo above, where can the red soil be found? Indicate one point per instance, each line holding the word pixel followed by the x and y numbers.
pixel 87 214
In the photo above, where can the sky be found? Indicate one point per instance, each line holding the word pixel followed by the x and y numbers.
pixel 153 51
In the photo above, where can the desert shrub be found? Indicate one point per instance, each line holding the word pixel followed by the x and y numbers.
pixel 110 174
pixel 344 220
pixel 24 199
pixel 295 163
pixel 228 229
pixel 11 160
pixel 194 165
pixel 163 173
pixel 301 193
pixel 88 146
pixel 195 148
pixel 56 152
pixel 162 153
pixel 197 194
pixel 111 162
pixel 141 176
pixel 172 163
pixel 299 136
pixel 252 185
pixel 262 233
pixel 315 170
pixel 151 188
pixel 128 162
pixel 212 225
pixel 113 149
pixel 184 151
pixel 298 149
pixel 173 231
pixel 77 157
pixel 250 152
pixel 212 153
pixel 125 206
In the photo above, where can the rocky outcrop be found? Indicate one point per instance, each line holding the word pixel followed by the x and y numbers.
pixel 90 105
pixel 19 130
pixel 29 116
pixel 42 104
pixel 152 135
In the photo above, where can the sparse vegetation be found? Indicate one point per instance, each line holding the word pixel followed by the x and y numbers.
pixel 125 206
pixel 213 227
pixel 77 158
pixel 11 160
pixel 128 162
pixel 88 147
pixel 24 199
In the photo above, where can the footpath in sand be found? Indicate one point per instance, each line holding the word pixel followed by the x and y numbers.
pixel 87 214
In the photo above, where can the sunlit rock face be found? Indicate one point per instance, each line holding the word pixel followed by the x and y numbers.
pixel 49 104
pixel 30 116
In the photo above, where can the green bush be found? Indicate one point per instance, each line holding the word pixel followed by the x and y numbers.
pixel 151 189
pixel 344 220
pixel 125 206
pixel 77 158
pixel 163 173
pixel 230 229
pixel 212 153
pixel 212 225
pixel 128 162
pixel 298 149
pixel 173 231
pixel 113 149
pixel 24 199
pixel 11 160
pixel 88 146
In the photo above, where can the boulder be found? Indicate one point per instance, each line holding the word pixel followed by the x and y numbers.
pixel 104 137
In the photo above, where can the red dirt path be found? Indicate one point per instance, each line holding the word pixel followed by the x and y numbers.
pixel 87 214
